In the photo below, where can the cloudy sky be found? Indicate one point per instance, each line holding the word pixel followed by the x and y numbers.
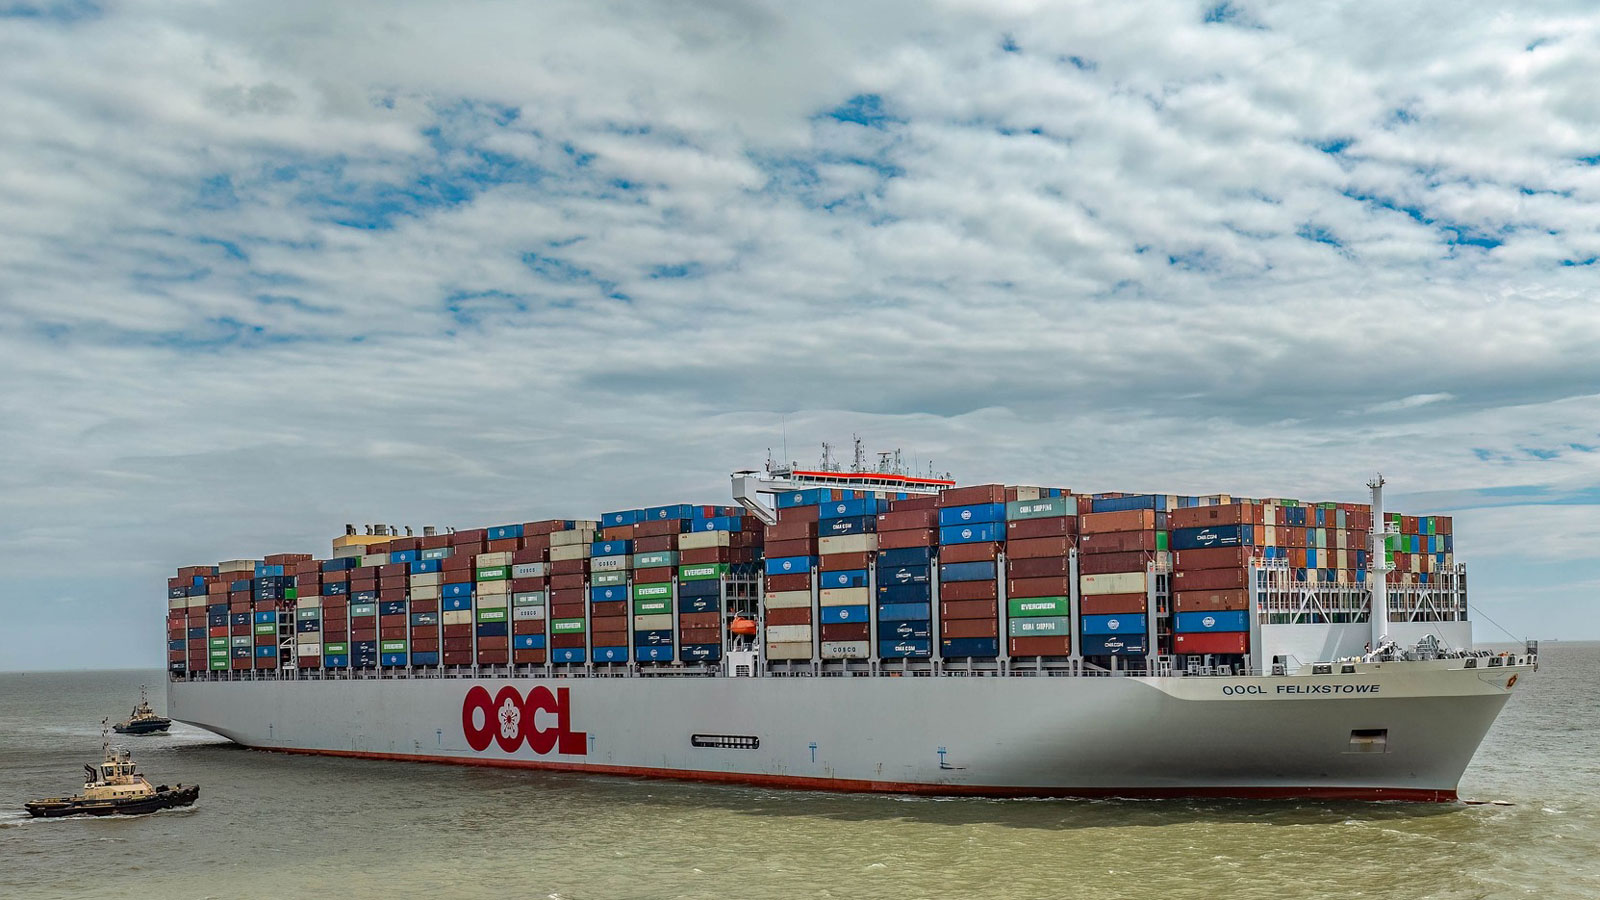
pixel 269 268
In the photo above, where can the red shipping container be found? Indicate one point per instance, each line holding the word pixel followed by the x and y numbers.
pixel 418 606
pixel 239 606
pixel 843 631
pixel 967 628
pixel 568 610
pixel 218 631
pixel 1203 516
pixel 392 634
pixel 1117 542
pixel 1112 604
pixel 456 631
pixel 1042 567
pixel 1054 526
pixel 1059 645
pixel 392 583
pixel 1037 548
pixel 913 537
pixel 527 626
pixel 968 496
pixel 653 575
pixel 393 620
pixel 457 644
pixel 471 536
pixel 569 567
pixel 702 620
pixel 266 640
pixel 527 657
pixel 543 527
pixel 528 555
pixel 702 555
pixel 568 582
pixel 963 553
pixel 608 609
pixel 493 642
pixel 493 657
pixel 798 582
pixel 240 663
pixel 781 549
pixel 424 644
pixel 310 662
pixel 568 595
pixel 1039 587
pixel 266 662
pixel 798 514
pixel 1204 601
pixel 969 590
pixel 1213 558
pixel 363 634
pixel 797 615
pixel 923 501
pixel 459 658
pixel 306 584
pixel 566 641
pixel 1107 563
pixel 539 583
pixel 1122 520
pixel 656 528
pixel 791 531
pixel 655 543
pixel 900 519
pixel 844 562
pixel 968 609
pixel 1224 642
pixel 700 636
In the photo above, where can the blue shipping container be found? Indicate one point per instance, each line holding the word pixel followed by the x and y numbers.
pixel 963 647
pixel 266 651
pixel 422 620
pixel 501 532
pixel 705 587
pixel 566 655
pixel 425 658
pixel 1137 501
pixel 654 638
pixel 847 525
pixel 699 604
pixel 451 604
pixel 720 523
pixel 340 564
pixel 844 509
pixel 905 556
pixel 905 649
pixel 809 497
pixel 179 644
pixel 1212 536
pixel 1212 620
pixel 394 659
pixel 789 565
pixel 238 618
pixel 622 517
pixel 894 631
pixel 425 566
pixel 657 653
pixel 608 593
pixel 391 607
pixel 405 556
pixel 904 575
pixel 662 513
pixel 973 534
pixel 1130 623
pixel 336 589
pixel 610 548
pixel 337 661
pixel 460 589
pixel 972 515
pixel 528 641
pixel 364 597
pixel 905 612
pixel 610 654
pixel 1112 644
pixel 198 633
pixel 492 629
pixel 701 652
pixel 970 571
pixel 836 615
pixel 849 578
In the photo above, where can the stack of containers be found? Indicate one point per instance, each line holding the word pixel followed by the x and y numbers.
pixel 718 544
pixel 610 561
pixel 451 608
pixel 419 581
pixel 791 555
pixel 1041 532
pixel 971 528
pixel 1119 537
pixel 492 595
pixel 847 542
pixel 1213 547
pixel 649 594
pixel 568 593
pixel 1423 549
pixel 530 584
pixel 906 537
pixel 334 610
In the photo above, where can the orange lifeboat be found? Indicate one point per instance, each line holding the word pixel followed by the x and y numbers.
pixel 743 626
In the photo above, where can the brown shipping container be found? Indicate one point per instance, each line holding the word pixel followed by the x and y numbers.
pixel 493 657
pixel 568 596
pixel 518 585
pixel 1210 579
pixel 798 615
pixel 433 542
pixel 791 531
pixel 463 658
pixel 925 501
pixel 656 543
pixel 455 563
pixel 618 532
pixel 843 562
pixel 657 528
pixel 962 553
pixel 424 606
pixel 525 626
pixel 969 590
pixel 701 555
pixel 781 549
pixel 900 519
pixel 1038 587
pixel 574 581
pixel 967 628
pixel 569 566
pixel 392 634
pixel 798 582
pixel 1202 601
pixel 652 575
pixel 1054 526
pixel 700 636
pixel 1060 645
pixel 978 493
pixel 391 621
pixel 1123 520
pixel 566 641
pixel 700 620
pixel 798 514
pixel 841 631
pixel 493 642
pixel 392 570
pixel 1201 516
pixel 968 609
pixel 608 609
pixel 471 536
pixel 1212 558
pixel 424 644
pixel 392 583
pixel 1036 548
pixel 1042 567
pixel 524 657
pixel 911 537
pixel 1106 563
pixel 455 644
pixel 1118 542
pixel 1112 604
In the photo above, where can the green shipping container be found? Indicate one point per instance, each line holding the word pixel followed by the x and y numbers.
pixel 528 598
pixel 219 642
pixel 652 591
pixel 651 607
pixel 492 614
pixel 292 594
pixel 494 573
pixel 702 572
pixel 1161 541
pixel 335 649
pixel 655 560
pixel 608 579
pixel 1041 627
pixel 437 553
pixel 219 663
pixel 363 609
pixel 266 628
pixel 1038 606
pixel 566 626
pixel 1043 508
pixel 312 613
pixel 391 646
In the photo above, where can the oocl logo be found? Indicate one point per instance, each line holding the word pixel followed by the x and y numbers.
pixel 509 720
pixel 1113 624
pixel 786 565
pixel 966 515
pixel 841 508
pixel 966 532
pixel 1209 621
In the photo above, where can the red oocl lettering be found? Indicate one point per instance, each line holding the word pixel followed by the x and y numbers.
pixel 509 720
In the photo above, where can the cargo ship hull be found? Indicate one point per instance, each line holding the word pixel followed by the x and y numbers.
pixel 1406 732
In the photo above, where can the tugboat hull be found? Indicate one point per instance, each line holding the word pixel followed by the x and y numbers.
pixel 164 798
pixel 148 727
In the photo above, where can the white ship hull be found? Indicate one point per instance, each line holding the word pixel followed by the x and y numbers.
pixel 1401 731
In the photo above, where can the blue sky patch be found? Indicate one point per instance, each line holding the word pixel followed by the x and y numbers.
pixel 863 109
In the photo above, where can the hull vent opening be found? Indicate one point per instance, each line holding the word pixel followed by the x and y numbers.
pixel 1369 740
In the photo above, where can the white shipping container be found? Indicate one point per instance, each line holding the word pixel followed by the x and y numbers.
pixel 800 650
pixel 569 551
pixel 845 597
pixel 425 592
pixel 374 559
pixel 492 601
pixel 848 543
pixel 528 613
pixel 489 560
pixel 236 565
pixel 570 538
pixel 845 649
pixel 354 551
pixel 427 579
pixel 653 622
pixel 783 634
pixel 787 599
pixel 528 598
pixel 204 600
pixel 308 603
pixel 528 570
pixel 501 588
pixel 1029 493
pixel 456 617
pixel 308 649
pixel 178 603
pixel 243 640
pixel 1115 583
pixel 699 540
pixel 608 563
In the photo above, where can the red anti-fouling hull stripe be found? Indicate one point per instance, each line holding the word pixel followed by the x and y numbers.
pixel 1415 795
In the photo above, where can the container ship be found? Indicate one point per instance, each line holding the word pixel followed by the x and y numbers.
pixel 851 629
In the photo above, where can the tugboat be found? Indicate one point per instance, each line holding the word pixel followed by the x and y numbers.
pixel 143 719
pixel 115 787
